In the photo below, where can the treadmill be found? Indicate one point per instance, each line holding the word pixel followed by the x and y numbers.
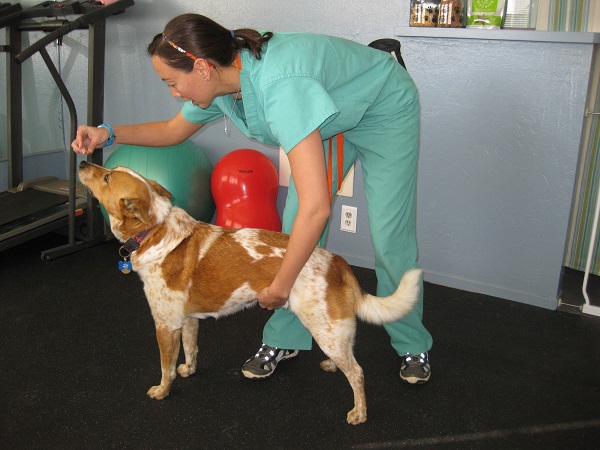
pixel 31 208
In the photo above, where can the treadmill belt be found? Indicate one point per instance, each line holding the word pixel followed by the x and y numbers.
pixel 14 206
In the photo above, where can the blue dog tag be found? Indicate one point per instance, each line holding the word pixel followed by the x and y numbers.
pixel 125 266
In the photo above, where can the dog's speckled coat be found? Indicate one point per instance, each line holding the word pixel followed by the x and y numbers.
pixel 192 270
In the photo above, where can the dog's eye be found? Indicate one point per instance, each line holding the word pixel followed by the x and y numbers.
pixel 106 177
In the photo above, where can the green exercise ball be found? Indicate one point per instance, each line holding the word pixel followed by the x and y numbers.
pixel 183 169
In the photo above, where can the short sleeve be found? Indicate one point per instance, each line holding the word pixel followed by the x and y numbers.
pixel 197 115
pixel 295 106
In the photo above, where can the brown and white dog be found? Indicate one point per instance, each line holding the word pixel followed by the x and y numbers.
pixel 193 270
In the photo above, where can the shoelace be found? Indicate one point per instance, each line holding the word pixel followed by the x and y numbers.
pixel 267 353
pixel 416 359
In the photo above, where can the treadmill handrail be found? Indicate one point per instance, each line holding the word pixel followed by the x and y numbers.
pixel 44 9
pixel 84 21
pixel 7 9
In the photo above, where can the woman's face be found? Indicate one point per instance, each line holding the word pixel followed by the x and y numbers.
pixel 187 86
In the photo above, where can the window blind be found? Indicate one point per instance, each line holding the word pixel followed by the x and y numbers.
pixel 518 14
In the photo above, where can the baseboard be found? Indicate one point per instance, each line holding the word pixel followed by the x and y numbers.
pixel 491 290
pixel 356 260
pixel 452 281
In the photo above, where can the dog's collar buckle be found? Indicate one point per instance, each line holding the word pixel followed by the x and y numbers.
pixel 128 247
pixel 132 244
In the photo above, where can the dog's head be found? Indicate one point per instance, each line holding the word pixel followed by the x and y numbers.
pixel 133 203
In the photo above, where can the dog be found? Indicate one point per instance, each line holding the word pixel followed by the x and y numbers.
pixel 193 270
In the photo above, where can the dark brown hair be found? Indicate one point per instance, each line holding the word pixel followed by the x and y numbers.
pixel 204 38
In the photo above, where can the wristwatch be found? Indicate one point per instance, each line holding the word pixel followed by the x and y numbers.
pixel 111 137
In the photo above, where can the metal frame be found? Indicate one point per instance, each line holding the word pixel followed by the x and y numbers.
pixel 587 307
pixel 93 18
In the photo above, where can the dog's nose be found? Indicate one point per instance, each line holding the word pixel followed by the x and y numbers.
pixel 84 164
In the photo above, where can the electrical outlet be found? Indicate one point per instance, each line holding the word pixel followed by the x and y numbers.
pixel 349 214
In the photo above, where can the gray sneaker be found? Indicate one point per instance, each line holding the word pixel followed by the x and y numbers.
pixel 415 369
pixel 263 364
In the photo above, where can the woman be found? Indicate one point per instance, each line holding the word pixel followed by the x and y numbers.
pixel 327 102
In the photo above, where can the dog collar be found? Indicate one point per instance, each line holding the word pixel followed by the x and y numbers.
pixel 132 244
pixel 128 247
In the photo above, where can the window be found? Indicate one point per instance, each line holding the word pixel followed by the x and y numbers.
pixel 520 14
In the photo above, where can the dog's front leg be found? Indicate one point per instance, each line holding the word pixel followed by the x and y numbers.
pixel 168 343
pixel 190 347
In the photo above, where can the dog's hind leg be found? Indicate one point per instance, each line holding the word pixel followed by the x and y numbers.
pixel 168 343
pixel 336 341
pixel 189 338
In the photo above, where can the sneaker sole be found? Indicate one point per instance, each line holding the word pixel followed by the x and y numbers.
pixel 253 376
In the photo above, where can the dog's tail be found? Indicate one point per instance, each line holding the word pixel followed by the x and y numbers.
pixel 378 310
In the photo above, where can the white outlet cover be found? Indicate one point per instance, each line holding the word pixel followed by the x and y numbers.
pixel 345 223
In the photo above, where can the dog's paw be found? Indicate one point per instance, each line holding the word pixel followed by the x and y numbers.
pixel 185 370
pixel 158 392
pixel 356 416
pixel 328 366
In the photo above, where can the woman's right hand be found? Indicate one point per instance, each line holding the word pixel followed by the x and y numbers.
pixel 89 138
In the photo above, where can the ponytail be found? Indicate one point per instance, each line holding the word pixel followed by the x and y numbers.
pixel 249 39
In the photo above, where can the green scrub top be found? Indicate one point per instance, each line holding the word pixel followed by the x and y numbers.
pixel 307 81
pixel 303 81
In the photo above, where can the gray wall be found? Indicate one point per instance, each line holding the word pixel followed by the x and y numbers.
pixel 495 173
pixel 501 127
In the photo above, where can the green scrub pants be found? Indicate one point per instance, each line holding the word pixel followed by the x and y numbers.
pixel 386 143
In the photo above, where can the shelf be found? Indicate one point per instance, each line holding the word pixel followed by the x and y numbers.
pixel 499 35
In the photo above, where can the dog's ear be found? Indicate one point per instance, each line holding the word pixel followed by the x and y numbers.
pixel 136 208
pixel 160 190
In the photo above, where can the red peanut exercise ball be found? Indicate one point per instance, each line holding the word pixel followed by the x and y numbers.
pixel 244 186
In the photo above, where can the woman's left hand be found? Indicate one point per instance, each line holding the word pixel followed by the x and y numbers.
pixel 270 302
